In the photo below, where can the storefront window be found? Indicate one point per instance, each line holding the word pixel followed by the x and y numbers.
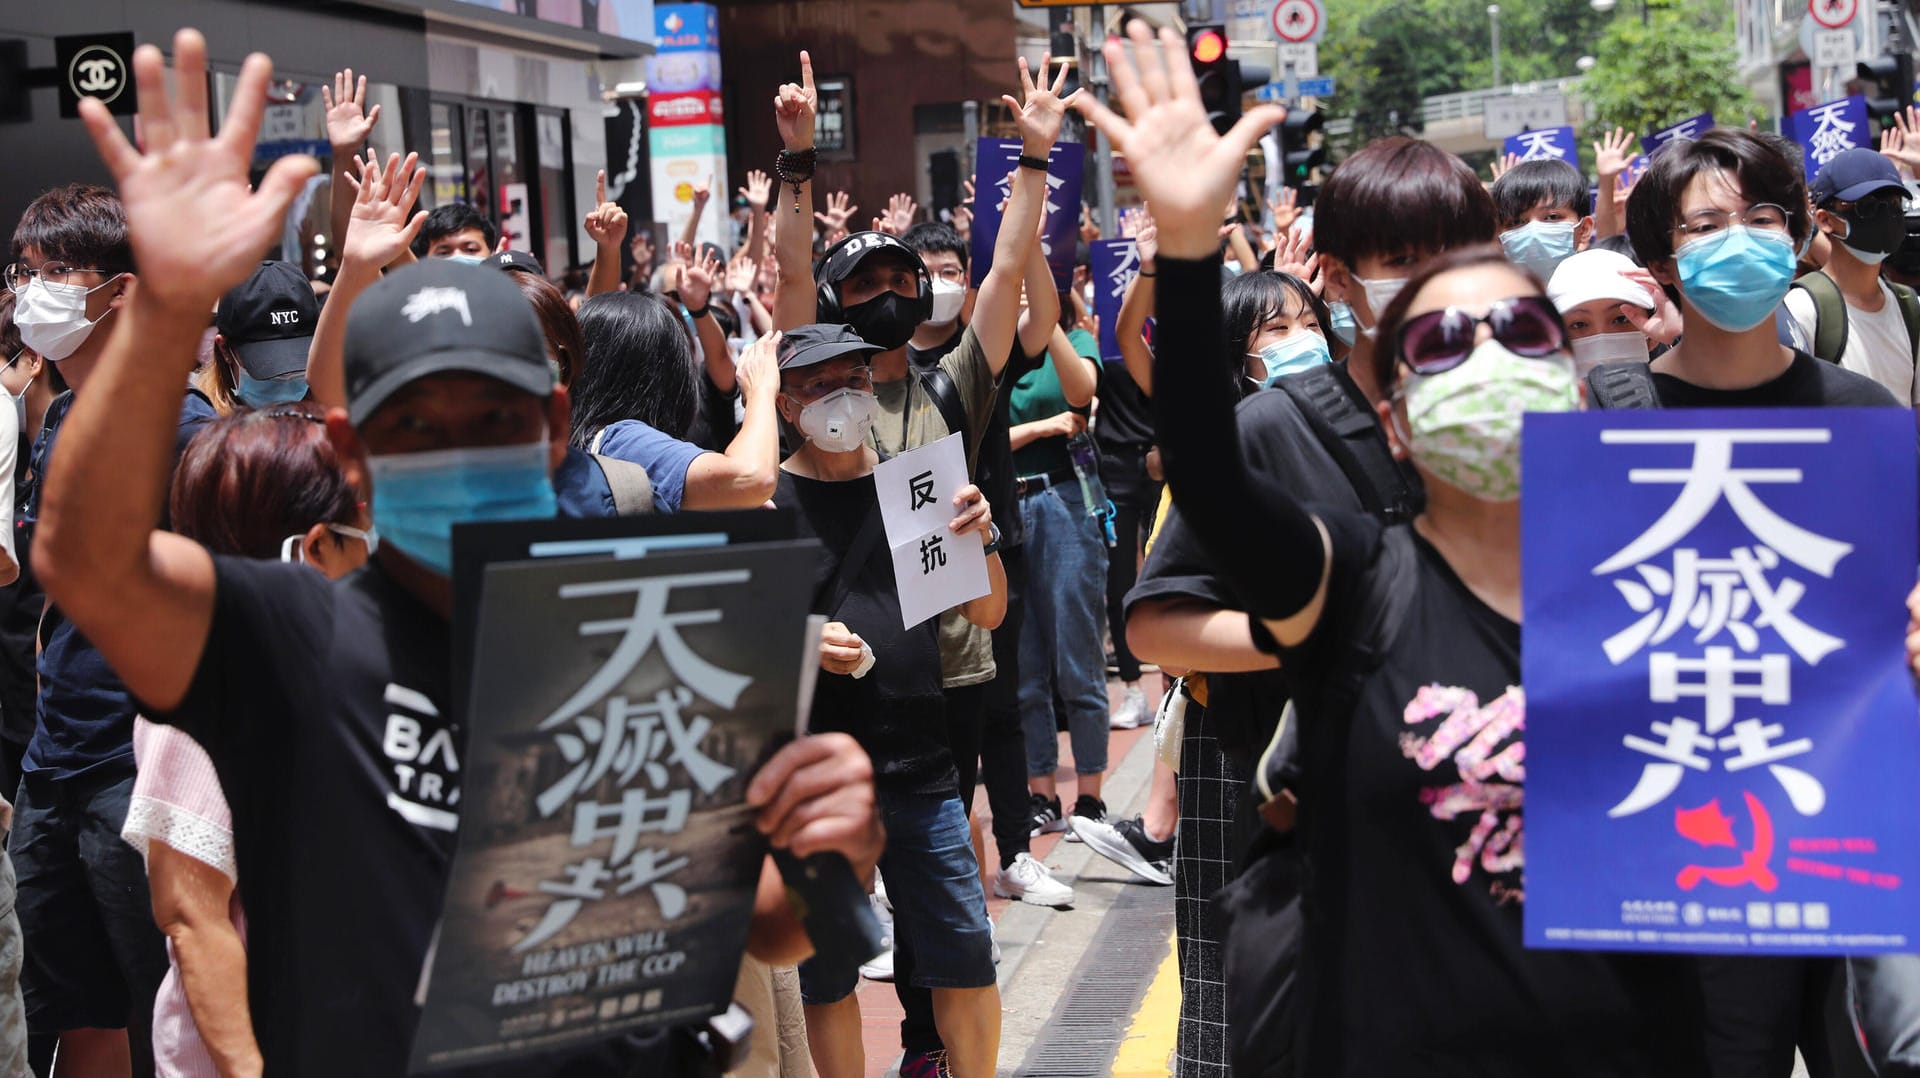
pixel 448 174
pixel 555 204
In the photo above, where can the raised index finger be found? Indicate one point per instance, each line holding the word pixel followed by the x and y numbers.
pixel 600 187
pixel 806 72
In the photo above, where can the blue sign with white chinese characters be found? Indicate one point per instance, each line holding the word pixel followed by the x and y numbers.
pixel 1692 127
pixel 1826 131
pixel 993 186
pixel 1115 264
pixel 1721 722
pixel 1321 86
pixel 1545 144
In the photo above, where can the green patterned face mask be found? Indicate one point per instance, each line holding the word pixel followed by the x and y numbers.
pixel 1464 423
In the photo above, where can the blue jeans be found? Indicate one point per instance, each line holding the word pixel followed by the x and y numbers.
pixel 1060 649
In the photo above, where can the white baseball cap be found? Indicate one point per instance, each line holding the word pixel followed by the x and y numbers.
pixel 1596 274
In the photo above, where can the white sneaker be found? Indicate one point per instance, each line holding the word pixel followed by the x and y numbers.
pixel 1133 711
pixel 1031 882
pixel 880 968
pixel 994 935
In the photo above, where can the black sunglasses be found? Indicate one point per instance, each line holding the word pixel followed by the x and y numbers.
pixel 1441 340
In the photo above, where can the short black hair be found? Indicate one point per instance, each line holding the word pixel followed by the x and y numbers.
pixel 1400 194
pixel 1759 167
pixel 454 217
pixel 81 224
pixel 1546 182
pixel 929 236
pixel 1251 300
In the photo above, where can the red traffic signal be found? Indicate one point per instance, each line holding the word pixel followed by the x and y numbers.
pixel 1208 46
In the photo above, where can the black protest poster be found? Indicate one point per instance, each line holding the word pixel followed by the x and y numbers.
pixel 607 863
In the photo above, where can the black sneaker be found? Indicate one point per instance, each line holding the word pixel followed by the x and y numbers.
pixel 1087 808
pixel 1126 844
pixel 1044 813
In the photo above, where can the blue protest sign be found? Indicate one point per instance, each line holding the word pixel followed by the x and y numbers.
pixel 1824 131
pixel 1115 264
pixel 995 161
pixel 1547 143
pixel 1635 169
pixel 1693 127
pixel 1721 723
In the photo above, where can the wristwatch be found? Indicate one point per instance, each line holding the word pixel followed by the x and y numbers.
pixel 993 539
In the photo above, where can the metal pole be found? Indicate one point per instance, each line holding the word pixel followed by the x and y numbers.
pixel 970 126
pixel 1493 15
pixel 1096 69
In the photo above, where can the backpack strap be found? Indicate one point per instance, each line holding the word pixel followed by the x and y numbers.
pixel 946 397
pixel 1622 386
pixel 631 486
pixel 865 541
pixel 1350 434
pixel 1910 314
pixel 1829 315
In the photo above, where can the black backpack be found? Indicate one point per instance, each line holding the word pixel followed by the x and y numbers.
pixel 1622 386
pixel 1344 424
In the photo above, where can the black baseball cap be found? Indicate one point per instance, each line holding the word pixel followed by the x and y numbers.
pixel 1855 174
pixel 840 260
pixel 808 345
pixel 435 316
pixel 518 260
pixel 268 320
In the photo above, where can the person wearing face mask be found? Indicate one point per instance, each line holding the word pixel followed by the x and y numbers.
pixel 1407 941
pixel 306 692
pixel 263 331
pixel 458 231
pixel 1852 316
pixel 882 685
pixel 1544 218
pixel 1606 303
pixel 945 255
pixel 33 383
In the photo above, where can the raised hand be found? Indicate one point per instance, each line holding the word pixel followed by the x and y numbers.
pixel 741 273
pixel 1295 255
pixel 1182 167
pixel 702 193
pixel 347 126
pixel 1901 142
pixel 759 368
pixel 901 210
pixel 1614 153
pixel 1039 116
pixel 1146 236
pixel 758 190
pixel 696 284
pixel 1286 209
pixel 1504 164
pixel 196 226
pixel 607 223
pixel 1089 227
pixel 683 253
pixel 793 108
pixel 383 224
pixel 839 209
pixel 1664 324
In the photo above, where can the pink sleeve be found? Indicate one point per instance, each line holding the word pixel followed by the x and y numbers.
pixel 177 798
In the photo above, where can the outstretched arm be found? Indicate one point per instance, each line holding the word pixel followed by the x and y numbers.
pixel 348 126
pixel 382 224
pixel 793 300
pixel 607 225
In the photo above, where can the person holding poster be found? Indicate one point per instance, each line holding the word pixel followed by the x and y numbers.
pixel 1390 638
pixel 325 706
pixel 882 684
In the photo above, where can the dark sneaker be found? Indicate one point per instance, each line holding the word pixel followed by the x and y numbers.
pixel 1044 813
pixel 1087 808
pixel 1126 844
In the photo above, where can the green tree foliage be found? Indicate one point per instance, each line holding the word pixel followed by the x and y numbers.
pixel 1678 63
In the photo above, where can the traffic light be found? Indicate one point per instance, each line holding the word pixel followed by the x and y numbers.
pixel 1887 82
pixel 1219 77
pixel 1302 146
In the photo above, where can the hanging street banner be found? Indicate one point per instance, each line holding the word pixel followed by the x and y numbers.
pixel 1066 175
pixel 607 861
pixel 1721 724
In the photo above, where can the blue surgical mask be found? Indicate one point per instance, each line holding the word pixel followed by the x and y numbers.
pixel 1344 326
pixel 260 393
pixel 419 497
pixel 1737 280
pixel 1298 351
pixel 471 260
pixel 1539 246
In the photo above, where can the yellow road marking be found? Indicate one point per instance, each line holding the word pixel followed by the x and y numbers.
pixel 1147 1050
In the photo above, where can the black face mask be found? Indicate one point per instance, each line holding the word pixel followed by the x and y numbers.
pixel 887 319
pixel 1877 229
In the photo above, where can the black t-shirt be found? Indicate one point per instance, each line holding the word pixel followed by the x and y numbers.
pixel 84 714
pixel 1413 812
pixel 1126 416
pixel 1807 383
pixel 896 711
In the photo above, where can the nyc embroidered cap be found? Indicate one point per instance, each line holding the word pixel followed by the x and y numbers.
pixel 518 260
pixel 436 316
pixel 268 320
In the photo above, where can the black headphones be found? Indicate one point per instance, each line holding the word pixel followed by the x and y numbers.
pixel 860 244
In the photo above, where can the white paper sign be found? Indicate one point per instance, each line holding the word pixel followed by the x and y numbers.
pixel 933 568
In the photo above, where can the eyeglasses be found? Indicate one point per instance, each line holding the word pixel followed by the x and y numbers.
pixel 1765 217
pixel 19 276
pixel 1875 207
pixel 859 379
pixel 1439 341
pixel 952 274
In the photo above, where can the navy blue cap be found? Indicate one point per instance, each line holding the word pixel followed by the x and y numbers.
pixel 518 260
pixel 1854 174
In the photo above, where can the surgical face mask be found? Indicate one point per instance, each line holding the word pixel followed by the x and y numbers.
pixel 1298 351
pixel 471 260
pixel 839 422
pixel 259 393
pixel 291 549
pixel 947 299
pixel 1341 315
pixel 1625 347
pixel 1736 280
pixel 887 319
pixel 20 398
pixel 1539 246
pixel 1380 292
pixel 53 317
pixel 419 497
pixel 1463 425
